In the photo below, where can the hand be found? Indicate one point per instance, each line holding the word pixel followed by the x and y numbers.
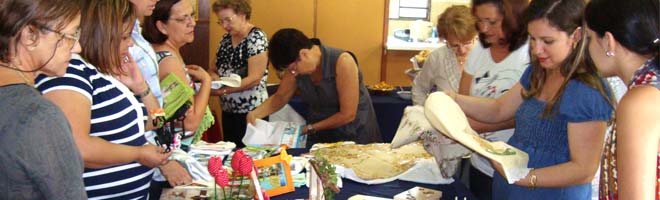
pixel 152 156
pixel 251 118
pixel 198 73
pixel 451 94
pixel 175 174
pixel 131 75
pixel 498 168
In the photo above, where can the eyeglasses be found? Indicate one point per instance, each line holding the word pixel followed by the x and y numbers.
pixel 185 19
pixel 75 38
pixel 226 20
pixel 456 47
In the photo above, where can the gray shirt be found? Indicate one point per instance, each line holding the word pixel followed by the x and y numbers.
pixel 323 102
pixel 39 158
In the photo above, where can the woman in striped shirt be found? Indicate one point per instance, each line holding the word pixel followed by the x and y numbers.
pixel 104 96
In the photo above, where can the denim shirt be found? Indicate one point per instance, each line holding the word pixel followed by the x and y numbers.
pixel 145 56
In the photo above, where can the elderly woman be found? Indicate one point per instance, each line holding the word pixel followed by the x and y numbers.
pixel 38 155
pixel 242 51
pixel 329 81
pixel 104 97
pixel 171 26
pixel 443 67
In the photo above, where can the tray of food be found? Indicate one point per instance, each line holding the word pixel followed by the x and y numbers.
pixel 381 88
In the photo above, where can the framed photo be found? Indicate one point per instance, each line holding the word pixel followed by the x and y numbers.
pixel 274 175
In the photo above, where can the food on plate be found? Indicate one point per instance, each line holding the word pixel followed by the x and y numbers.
pixel 363 159
pixel 382 86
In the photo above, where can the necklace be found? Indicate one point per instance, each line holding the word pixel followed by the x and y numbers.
pixel 27 81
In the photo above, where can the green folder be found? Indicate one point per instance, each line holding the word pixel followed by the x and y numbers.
pixel 175 94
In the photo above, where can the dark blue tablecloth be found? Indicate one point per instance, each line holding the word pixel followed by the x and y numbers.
pixel 388 107
pixel 385 190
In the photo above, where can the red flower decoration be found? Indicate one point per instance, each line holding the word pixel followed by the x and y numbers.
pixel 245 166
pixel 222 177
pixel 236 159
pixel 214 165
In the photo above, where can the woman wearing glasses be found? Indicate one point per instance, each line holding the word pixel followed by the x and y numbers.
pixel 171 26
pixel 104 97
pixel 329 81
pixel 493 66
pixel 242 51
pixel 444 65
pixel 38 155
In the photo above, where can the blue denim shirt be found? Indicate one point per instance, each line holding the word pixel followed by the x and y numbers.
pixel 545 138
pixel 145 56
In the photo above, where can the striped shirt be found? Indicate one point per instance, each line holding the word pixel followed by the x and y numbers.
pixel 116 116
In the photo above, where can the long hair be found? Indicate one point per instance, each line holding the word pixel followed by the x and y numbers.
pixel 102 25
pixel 566 16
pixel 17 14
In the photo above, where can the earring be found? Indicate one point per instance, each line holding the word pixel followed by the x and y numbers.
pixel 609 53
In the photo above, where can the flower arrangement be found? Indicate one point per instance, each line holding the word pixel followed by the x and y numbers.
pixel 242 166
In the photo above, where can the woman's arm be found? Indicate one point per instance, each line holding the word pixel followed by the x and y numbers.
pixel 274 103
pixel 424 80
pixel 465 84
pixel 96 152
pixel 133 79
pixel 489 110
pixel 346 79
pixel 257 65
pixel 585 140
pixel 200 100
pixel 638 133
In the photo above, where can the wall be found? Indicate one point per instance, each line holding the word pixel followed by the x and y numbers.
pixel 339 23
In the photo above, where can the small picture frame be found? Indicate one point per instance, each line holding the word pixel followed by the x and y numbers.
pixel 274 175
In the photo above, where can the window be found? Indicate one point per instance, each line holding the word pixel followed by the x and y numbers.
pixel 410 9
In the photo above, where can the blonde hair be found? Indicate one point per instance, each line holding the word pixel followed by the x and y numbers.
pixel 458 21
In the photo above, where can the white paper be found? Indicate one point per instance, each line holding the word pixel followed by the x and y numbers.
pixel 259 133
pixel 233 80
pixel 276 133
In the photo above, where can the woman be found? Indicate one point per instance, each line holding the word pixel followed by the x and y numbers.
pixel 624 43
pixel 171 26
pixel 493 66
pixel 242 51
pixel 104 97
pixel 318 72
pixel 145 57
pixel 444 65
pixel 560 105
pixel 38 156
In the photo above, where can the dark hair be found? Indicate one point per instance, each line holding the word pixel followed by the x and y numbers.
pixel 565 16
pixel 239 6
pixel 633 23
pixel 162 14
pixel 41 14
pixel 102 25
pixel 512 12
pixel 284 46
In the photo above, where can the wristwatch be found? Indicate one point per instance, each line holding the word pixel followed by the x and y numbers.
pixel 310 129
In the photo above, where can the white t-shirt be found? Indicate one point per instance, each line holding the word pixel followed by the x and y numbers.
pixel 491 80
pixel 441 70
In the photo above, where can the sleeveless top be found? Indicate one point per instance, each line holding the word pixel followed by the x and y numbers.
pixel 647 74
pixel 323 101
pixel 117 116
pixel 545 138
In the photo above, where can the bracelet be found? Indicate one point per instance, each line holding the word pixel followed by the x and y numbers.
pixel 532 179
pixel 310 129
pixel 143 94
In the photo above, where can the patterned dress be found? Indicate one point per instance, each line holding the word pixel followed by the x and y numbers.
pixel 647 74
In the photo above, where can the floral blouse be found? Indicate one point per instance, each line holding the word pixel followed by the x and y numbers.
pixel 647 74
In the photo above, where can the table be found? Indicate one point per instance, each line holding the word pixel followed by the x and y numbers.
pixel 388 107
pixel 386 190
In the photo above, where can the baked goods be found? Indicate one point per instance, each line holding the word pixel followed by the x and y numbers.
pixel 365 159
